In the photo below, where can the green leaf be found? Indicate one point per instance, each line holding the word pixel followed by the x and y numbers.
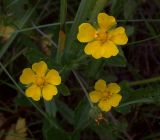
pixel 51 133
pixel 50 108
pixel 118 61
pixel 20 11
pixel 99 6
pixel 34 53
pixel 81 15
pixel 82 115
pixel 20 25
pixel 129 9
pixel 129 30
pixel 21 100
pixel 64 90
pixel 117 7
pixel 65 111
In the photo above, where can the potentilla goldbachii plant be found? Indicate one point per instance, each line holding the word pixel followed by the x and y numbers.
pixel 102 41
pixel 73 79
pixel 41 81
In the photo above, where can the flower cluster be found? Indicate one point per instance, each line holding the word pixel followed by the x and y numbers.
pixel 103 41
pixel 40 81
pixel 105 95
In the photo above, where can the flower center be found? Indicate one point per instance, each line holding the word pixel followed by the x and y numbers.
pixel 40 81
pixel 101 36
pixel 107 95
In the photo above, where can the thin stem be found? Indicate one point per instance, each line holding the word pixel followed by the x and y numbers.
pixel 144 100
pixel 145 81
pixel 83 87
pixel 115 121
pixel 42 26
pixel 45 35
pixel 14 58
pixel 139 20
pixel 144 40
pixel 71 22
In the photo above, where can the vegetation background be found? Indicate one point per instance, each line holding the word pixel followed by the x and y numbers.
pixel 69 117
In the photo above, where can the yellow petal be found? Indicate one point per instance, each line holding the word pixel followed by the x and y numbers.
pixel 118 36
pixel 115 99
pixel 53 77
pixel 109 49
pixel 40 68
pixel 95 96
pixel 86 32
pixel 93 48
pixel 105 21
pixel 49 91
pixel 113 88
pixel 104 105
pixel 27 76
pixel 100 85
pixel 34 92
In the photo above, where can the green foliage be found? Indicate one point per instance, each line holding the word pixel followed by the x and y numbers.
pixel 70 114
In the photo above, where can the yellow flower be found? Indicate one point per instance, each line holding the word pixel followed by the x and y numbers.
pixel 40 81
pixel 102 42
pixel 105 95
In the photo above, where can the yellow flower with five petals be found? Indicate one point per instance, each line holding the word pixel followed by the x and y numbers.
pixel 105 95
pixel 102 42
pixel 41 81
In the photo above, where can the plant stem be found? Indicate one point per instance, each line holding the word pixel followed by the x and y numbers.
pixel 146 81
pixel 83 87
pixel 144 40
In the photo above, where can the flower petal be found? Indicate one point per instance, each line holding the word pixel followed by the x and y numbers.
pixel 34 92
pixel 113 88
pixel 95 96
pixel 105 21
pixel 86 32
pixel 53 77
pixel 49 91
pixel 100 85
pixel 104 105
pixel 92 48
pixel 118 36
pixel 27 76
pixel 109 49
pixel 40 68
pixel 115 99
